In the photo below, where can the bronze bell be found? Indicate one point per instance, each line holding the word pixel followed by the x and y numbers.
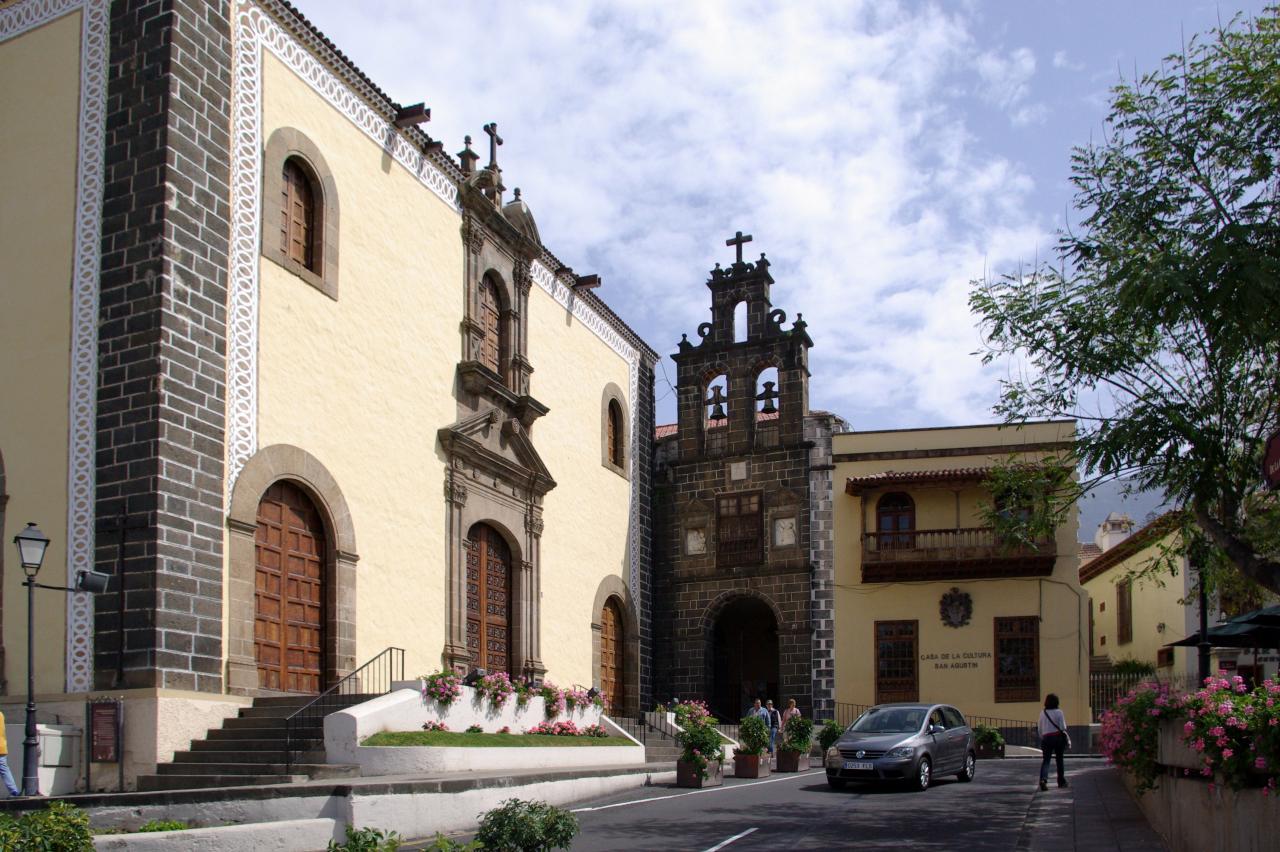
pixel 718 413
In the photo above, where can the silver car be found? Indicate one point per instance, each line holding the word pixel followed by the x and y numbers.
pixel 903 742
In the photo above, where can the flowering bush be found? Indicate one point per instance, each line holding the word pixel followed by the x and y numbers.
pixel 505 729
pixel 553 697
pixel 475 729
pixel 1235 731
pixel 576 697
pixel 524 691
pixel 692 713
pixel 1131 732
pixel 434 726
pixel 441 687
pixel 497 687
pixel 595 731
pixel 699 740
pixel 557 729
pixel 600 701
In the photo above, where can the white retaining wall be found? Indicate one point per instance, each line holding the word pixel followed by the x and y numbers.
pixel 406 710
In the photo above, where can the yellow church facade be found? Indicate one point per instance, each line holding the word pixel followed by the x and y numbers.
pixel 928 605
pixel 311 386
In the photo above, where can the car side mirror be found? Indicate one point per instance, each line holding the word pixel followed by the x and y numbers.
pixel 936 729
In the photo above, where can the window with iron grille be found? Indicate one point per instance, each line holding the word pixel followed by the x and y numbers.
pixel 897 675
pixel 739 529
pixel 1018 658
pixel 1124 612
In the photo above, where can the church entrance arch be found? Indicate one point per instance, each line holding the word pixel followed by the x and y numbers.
pixel 744 654
pixel 488 599
pixel 289 594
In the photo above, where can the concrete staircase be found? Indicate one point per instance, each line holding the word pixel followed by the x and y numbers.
pixel 249 750
pixel 659 747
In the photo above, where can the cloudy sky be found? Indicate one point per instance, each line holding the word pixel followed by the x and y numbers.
pixel 883 154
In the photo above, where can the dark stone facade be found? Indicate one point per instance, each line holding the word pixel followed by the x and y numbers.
pixel 162 342
pixel 721 605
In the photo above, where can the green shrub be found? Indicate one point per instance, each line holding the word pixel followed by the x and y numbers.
pixel 60 827
pixel 1137 668
pixel 831 731
pixel 519 826
pixel 367 840
pixel 798 735
pixel 987 736
pixel 753 736
pixel 475 729
pixel 163 825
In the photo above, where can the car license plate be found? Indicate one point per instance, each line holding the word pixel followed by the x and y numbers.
pixel 858 764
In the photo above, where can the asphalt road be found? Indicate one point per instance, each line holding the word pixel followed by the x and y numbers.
pixel 997 811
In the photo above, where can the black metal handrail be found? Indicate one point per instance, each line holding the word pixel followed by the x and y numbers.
pixel 371 679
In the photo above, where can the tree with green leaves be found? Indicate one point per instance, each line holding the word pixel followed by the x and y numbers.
pixel 1157 326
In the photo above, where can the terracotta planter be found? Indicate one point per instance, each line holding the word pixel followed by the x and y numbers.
pixel 988 751
pixel 792 761
pixel 751 766
pixel 687 775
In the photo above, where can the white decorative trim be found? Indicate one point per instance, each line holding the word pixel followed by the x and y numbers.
pixel 603 329
pixel 255 32
pixel 82 399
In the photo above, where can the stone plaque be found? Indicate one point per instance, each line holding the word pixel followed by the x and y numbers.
pixel 695 541
pixel 737 471
pixel 784 532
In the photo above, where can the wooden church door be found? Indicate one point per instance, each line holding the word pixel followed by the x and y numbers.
pixel 611 679
pixel 488 599
pixel 289 591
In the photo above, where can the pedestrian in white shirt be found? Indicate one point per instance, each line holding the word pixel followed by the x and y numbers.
pixel 1054 739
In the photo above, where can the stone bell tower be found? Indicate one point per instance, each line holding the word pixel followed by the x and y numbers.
pixel 732 546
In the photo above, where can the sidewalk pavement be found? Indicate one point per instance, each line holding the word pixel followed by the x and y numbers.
pixel 1095 813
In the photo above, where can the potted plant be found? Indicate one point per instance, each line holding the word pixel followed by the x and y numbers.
pixel 831 731
pixel 753 739
pixel 988 740
pixel 702 756
pixel 793 754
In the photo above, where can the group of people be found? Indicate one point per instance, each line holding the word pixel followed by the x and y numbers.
pixel 772 719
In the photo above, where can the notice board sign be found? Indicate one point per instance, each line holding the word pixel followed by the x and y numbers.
pixel 104 731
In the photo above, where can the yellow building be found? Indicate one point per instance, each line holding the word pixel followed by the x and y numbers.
pixel 308 385
pixel 928 605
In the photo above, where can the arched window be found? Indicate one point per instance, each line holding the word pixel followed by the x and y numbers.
pixel 617 440
pixel 895 522
pixel 491 345
pixel 716 414
pixel 300 225
pixel 740 322
pixel 766 408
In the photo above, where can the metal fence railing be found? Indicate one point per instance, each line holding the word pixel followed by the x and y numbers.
pixel 374 678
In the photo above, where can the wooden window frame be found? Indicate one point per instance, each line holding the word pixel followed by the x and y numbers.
pixel 615 431
pixel 896 539
pixel 1013 628
pixel 732 557
pixel 285 144
pixel 301 210
pixel 881 696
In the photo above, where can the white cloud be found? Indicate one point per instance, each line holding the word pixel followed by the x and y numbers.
pixel 643 134
pixel 1061 60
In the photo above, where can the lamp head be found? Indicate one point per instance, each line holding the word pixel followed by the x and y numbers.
pixel 31 547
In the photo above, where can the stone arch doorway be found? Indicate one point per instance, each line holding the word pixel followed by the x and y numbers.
pixel 289 591
pixel 489 626
pixel 744 657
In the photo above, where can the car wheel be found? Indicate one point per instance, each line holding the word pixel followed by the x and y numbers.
pixel 970 767
pixel 924 774
pixel 835 783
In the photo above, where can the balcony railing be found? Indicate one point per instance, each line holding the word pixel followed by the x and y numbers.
pixel 963 553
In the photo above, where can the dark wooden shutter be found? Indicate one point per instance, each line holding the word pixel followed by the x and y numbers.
pixel 491 322
pixel 298 215
pixel 739 530
pixel 289 591
pixel 615 434
pixel 611 648
pixel 1124 611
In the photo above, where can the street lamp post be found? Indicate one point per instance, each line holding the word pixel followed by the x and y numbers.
pixel 31 547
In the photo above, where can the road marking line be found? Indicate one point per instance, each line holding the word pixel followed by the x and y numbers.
pixel 695 792
pixel 725 843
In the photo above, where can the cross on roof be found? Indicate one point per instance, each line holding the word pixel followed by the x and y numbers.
pixel 494 141
pixel 738 241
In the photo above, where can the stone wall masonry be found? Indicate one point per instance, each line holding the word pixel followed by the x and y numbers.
pixel 162 341
pixel 818 430
pixel 644 493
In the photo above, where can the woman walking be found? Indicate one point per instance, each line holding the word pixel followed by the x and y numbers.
pixel 1054 740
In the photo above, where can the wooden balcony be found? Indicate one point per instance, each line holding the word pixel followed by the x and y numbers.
pixel 969 553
